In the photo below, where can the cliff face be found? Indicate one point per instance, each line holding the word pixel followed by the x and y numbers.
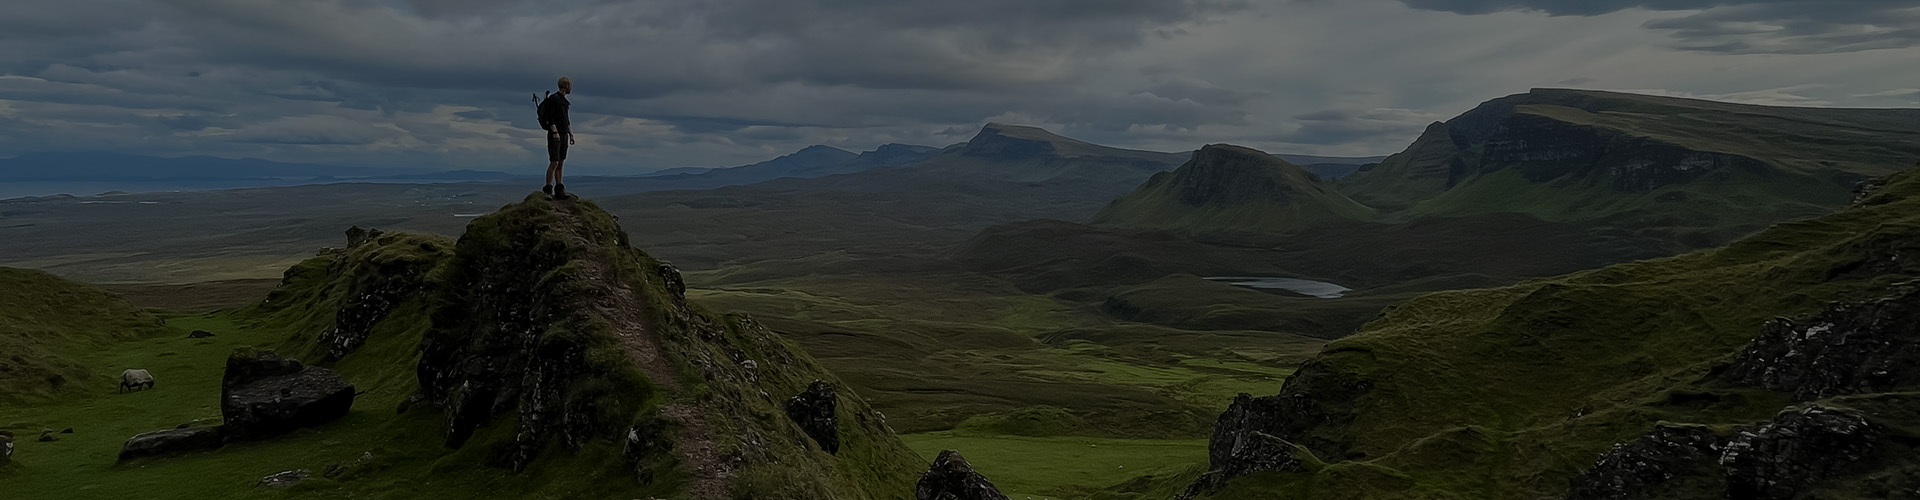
pixel 544 338
pixel 1566 155
pixel 1776 367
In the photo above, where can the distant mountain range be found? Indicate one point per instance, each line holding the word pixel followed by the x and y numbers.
pixel 117 167
pixel 813 161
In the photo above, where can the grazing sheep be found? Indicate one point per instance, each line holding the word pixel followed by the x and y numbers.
pixel 131 380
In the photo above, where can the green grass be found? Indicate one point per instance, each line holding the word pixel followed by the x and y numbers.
pixel 408 461
pixel 1506 393
pixel 1063 468
pixel 47 324
pixel 932 352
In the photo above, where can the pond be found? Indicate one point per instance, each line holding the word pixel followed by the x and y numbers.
pixel 1309 288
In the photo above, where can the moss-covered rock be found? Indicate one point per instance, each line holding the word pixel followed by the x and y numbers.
pixel 543 335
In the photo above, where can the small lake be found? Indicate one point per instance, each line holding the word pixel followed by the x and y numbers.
pixel 1309 288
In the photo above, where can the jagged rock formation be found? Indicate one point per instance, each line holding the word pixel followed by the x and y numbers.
pixel 263 395
pixel 814 411
pixel 1780 459
pixel 1241 454
pixel 1776 460
pixel 1226 188
pixel 952 478
pixel 1643 468
pixel 546 338
pixel 1850 348
pixel 172 441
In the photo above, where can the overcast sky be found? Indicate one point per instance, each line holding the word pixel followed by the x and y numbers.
pixel 447 83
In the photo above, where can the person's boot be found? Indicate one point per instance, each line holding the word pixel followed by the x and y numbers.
pixel 560 191
pixel 548 189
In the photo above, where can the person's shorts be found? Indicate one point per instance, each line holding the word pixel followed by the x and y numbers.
pixel 556 147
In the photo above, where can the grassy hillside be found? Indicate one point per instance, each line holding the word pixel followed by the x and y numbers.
pixel 47 324
pixel 1508 393
pixel 1231 189
pixel 1575 155
pixel 594 378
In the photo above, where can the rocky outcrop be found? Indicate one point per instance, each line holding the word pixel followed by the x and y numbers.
pixel 1310 409
pixel 952 478
pixel 172 441
pixel 1244 454
pixel 357 236
pixel 383 279
pixel 814 412
pixel 1245 440
pixel 525 329
pixel 1779 459
pixel 1850 348
pixel 1776 460
pixel 1647 468
pixel 263 395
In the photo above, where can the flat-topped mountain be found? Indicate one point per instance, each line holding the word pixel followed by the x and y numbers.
pixel 809 162
pixel 1226 188
pixel 1031 154
pixel 1570 155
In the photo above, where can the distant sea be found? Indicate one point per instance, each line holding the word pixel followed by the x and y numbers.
pixel 10 190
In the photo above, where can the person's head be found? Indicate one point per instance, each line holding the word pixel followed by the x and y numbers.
pixel 566 85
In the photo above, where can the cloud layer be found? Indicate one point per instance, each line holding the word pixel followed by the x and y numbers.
pixel 446 83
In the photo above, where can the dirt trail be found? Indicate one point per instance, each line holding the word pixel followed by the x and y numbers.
pixel 622 307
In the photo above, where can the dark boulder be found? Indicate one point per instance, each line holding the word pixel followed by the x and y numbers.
pixel 172 441
pixel 48 436
pixel 1780 459
pixel 264 395
pixel 1849 348
pixel 1651 466
pixel 952 478
pixel 814 411
pixel 200 334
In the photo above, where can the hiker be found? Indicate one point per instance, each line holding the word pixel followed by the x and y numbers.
pixel 553 119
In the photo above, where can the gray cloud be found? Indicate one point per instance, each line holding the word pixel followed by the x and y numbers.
pixel 1742 26
pixel 726 82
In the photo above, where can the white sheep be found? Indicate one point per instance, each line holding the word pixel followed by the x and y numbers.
pixel 135 379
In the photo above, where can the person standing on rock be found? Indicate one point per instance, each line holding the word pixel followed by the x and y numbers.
pixel 553 119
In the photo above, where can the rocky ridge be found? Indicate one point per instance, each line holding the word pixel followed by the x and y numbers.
pixel 545 333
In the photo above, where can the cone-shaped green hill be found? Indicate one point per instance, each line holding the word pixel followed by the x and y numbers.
pixel 1232 189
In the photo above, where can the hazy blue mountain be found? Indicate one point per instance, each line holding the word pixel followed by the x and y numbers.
pixel 101 166
pixel 813 161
